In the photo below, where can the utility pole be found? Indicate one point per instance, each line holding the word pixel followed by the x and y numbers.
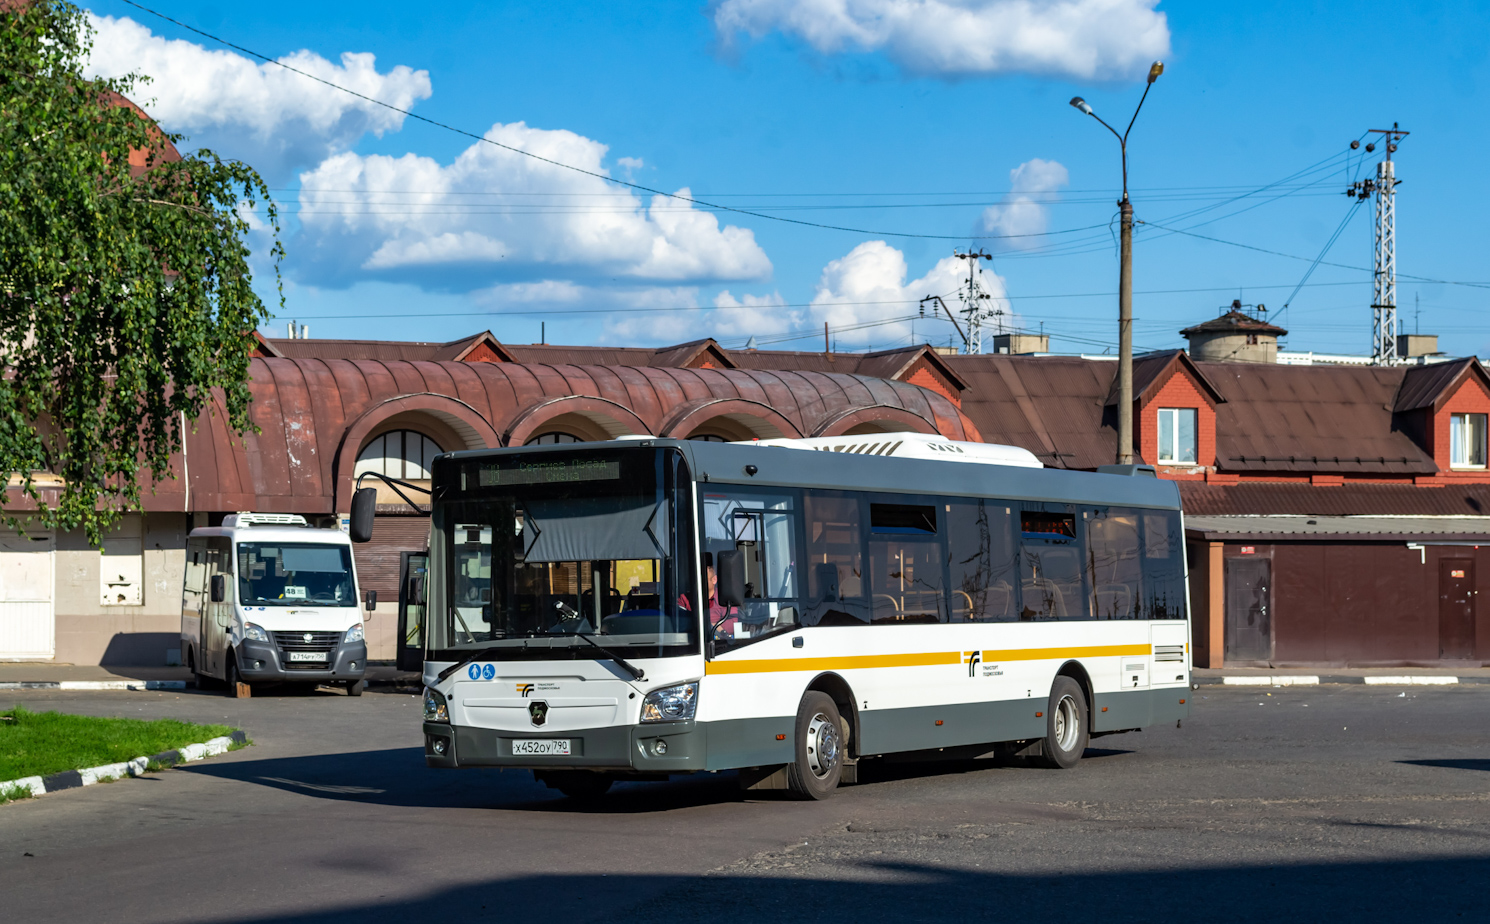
pixel 975 301
pixel 1384 289
pixel 1125 278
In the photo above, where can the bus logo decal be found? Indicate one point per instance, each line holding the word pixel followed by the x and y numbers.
pixel 538 712
pixel 525 689
pixel 972 659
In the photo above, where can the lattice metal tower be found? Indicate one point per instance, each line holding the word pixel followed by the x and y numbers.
pixel 1384 290
pixel 977 305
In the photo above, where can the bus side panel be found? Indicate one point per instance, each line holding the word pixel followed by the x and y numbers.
pixel 750 742
pixel 886 731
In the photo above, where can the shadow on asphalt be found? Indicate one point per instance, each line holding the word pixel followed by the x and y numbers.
pixel 909 893
pixel 1461 763
pixel 398 777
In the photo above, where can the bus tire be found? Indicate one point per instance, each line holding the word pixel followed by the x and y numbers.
pixel 819 746
pixel 1066 728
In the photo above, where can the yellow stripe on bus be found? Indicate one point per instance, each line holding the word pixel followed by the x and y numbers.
pixel 924 659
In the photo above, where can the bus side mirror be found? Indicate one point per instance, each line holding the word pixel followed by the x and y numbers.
pixel 729 571
pixel 372 600
pixel 219 588
pixel 364 507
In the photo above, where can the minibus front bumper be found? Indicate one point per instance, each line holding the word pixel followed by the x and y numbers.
pixel 265 662
pixel 671 747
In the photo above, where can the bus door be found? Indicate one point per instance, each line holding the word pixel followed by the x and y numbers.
pixel 413 574
pixel 218 613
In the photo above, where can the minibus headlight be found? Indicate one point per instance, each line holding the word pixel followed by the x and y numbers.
pixel 257 633
pixel 671 704
pixel 354 634
pixel 435 709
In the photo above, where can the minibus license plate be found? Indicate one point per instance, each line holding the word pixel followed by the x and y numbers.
pixel 307 656
pixel 551 747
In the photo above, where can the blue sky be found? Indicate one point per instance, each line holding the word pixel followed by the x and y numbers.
pixel 920 117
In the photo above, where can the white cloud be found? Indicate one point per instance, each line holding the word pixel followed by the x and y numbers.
pixel 865 299
pixel 1022 212
pixel 495 216
pixel 260 113
pixel 950 38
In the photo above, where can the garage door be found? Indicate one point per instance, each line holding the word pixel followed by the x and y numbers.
pixel 377 569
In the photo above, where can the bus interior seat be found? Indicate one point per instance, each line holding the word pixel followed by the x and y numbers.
pixel 1114 601
pixel 1047 592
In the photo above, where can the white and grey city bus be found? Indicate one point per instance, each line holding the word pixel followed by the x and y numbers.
pixel 638 609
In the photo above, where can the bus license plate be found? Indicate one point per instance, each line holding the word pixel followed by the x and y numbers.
pixel 550 747
pixel 307 656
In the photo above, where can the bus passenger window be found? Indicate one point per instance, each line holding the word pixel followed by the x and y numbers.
pixel 906 564
pixel 1163 567
pixel 1112 555
pixel 1050 567
pixel 984 565
pixel 836 591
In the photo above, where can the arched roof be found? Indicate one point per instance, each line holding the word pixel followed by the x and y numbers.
pixel 308 409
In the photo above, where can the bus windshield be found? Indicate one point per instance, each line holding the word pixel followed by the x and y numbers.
pixel 543 548
pixel 295 574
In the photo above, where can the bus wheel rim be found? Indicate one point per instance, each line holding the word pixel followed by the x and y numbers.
pixel 1067 723
pixel 822 745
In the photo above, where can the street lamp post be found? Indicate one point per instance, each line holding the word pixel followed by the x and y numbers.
pixel 1125 279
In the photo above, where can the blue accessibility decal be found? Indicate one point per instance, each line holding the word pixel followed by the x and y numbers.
pixel 488 672
pixel 475 672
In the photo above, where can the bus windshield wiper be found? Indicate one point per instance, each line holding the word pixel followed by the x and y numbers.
pixel 621 662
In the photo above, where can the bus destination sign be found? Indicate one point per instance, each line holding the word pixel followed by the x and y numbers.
pixel 559 471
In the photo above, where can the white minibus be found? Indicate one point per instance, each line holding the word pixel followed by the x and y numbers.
pixel 638 609
pixel 268 598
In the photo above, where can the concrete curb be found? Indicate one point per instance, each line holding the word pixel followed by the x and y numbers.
pixel 93 685
pixel 1304 680
pixel 72 779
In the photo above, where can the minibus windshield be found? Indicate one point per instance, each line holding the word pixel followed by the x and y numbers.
pixel 542 549
pixel 295 574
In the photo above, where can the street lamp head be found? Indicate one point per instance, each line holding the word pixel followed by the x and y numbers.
pixel 1155 70
pixel 1080 103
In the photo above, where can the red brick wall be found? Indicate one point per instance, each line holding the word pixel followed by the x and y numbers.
pixel 922 373
pixel 1469 398
pixel 1179 391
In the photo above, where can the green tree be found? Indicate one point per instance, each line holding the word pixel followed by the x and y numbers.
pixel 125 293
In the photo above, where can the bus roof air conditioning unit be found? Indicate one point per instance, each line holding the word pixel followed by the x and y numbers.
pixel 244 518
pixel 911 445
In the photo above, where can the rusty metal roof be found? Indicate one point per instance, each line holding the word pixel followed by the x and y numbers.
pixel 1051 405
pixel 1151 369
pixel 1312 419
pixel 1423 386
pixel 1235 321
pixel 1262 497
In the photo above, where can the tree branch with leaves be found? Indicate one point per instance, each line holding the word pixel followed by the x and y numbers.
pixel 126 296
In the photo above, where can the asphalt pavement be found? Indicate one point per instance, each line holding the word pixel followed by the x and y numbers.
pixel 1330 801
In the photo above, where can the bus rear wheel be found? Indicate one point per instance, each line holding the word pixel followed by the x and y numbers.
pixel 1066 730
pixel 819 746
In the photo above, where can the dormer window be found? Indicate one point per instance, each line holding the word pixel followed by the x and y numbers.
pixel 1467 440
pixel 1177 428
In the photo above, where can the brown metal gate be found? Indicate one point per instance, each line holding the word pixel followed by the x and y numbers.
pixel 1456 608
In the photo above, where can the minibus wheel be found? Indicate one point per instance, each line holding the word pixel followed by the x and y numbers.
pixel 1066 729
pixel 354 688
pixel 819 746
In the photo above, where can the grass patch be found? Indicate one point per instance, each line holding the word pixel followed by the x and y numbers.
pixel 42 743
pixel 12 793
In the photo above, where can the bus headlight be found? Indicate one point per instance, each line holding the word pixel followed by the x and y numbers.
pixel 354 634
pixel 671 704
pixel 257 633
pixel 435 708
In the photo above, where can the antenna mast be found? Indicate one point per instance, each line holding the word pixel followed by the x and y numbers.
pixel 1384 291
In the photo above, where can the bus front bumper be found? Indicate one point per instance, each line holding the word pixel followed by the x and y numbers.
pixel 674 747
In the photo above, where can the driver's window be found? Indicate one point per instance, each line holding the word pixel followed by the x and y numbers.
pixel 763 528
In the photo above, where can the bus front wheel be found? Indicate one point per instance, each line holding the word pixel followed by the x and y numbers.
pixel 1066 731
pixel 819 746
